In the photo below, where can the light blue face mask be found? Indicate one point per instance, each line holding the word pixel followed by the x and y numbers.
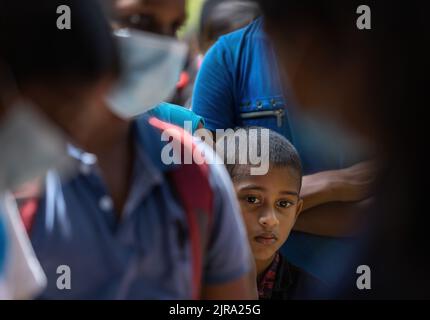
pixel 151 68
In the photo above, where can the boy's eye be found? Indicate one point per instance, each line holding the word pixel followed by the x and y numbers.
pixel 284 204
pixel 252 200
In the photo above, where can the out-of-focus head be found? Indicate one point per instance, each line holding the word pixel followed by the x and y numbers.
pixel 158 16
pixel 322 52
pixel 220 17
pixel 151 57
pixel 338 70
pixel 63 72
pixel 375 81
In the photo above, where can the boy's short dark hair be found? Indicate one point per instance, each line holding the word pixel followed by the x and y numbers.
pixel 281 153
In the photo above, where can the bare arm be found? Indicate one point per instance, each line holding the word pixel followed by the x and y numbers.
pixel 345 185
pixel 336 219
pixel 335 201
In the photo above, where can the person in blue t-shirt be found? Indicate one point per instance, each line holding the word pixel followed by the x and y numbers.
pixel 239 85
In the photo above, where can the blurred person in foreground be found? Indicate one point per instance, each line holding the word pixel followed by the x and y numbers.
pixel 122 223
pixel 372 81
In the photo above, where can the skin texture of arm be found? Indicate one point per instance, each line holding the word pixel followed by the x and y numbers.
pixel 335 201
pixel 335 219
pixel 345 185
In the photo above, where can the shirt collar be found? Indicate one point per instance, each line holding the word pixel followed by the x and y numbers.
pixel 267 281
pixel 146 174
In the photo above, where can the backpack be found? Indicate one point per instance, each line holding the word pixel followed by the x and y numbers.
pixel 190 184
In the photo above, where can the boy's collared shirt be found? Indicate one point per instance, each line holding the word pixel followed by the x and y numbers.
pixel 267 281
pixel 284 281
pixel 141 256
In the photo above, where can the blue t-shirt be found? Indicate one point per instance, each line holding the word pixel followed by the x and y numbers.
pixel 145 255
pixel 177 115
pixel 239 85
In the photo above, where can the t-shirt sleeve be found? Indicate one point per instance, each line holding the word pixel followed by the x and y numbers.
pixel 213 96
pixel 229 256
pixel 177 115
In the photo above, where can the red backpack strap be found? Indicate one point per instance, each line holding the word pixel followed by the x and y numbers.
pixel 27 199
pixel 28 210
pixel 191 183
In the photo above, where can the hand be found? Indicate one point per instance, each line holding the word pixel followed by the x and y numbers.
pixel 344 185
pixel 353 183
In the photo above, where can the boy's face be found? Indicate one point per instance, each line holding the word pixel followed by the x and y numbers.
pixel 270 205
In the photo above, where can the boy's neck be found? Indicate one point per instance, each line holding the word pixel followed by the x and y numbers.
pixel 263 265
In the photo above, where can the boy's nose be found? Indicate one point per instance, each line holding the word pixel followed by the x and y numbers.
pixel 269 220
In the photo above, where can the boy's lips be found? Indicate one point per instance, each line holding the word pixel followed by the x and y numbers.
pixel 266 238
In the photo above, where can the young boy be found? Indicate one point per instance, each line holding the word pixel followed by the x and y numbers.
pixel 270 205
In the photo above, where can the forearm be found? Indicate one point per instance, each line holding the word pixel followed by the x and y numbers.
pixel 316 190
pixel 351 184
pixel 336 219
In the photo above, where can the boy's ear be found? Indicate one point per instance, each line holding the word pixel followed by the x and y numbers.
pixel 299 207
